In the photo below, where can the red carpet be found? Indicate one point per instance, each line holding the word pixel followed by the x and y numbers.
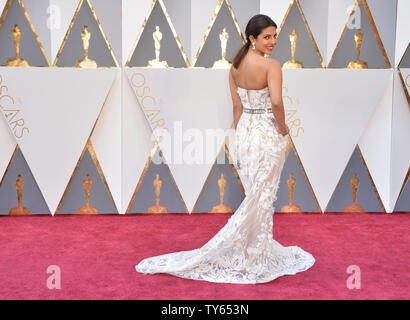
pixel 97 255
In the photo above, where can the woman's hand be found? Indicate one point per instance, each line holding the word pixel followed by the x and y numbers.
pixel 285 131
pixel 281 130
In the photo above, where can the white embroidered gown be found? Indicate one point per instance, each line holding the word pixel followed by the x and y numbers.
pixel 244 250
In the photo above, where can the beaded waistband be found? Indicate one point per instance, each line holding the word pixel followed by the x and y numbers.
pixel 248 110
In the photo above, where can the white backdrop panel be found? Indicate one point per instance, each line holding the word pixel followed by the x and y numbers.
pixel 400 151
pixel 375 144
pixel 334 108
pixel 275 9
pixel 133 15
pixel 315 12
pixel 59 107
pixel 136 142
pixel 201 15
pixel 338 15
pixel 60 14
pixel 106 139
pixel 384 16
pixel 191 101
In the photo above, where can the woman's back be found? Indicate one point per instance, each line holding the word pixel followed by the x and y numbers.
pixel 252 72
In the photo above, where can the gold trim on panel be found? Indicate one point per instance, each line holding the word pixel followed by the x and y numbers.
pixel 402 58
pixel 402 187
pixel 406 91
pixel 82 154
pixel 374 29
pixel 370 177
pixel 174 33
pixel 304 173
pixel 226 151
pixel 376 33
pixel 93 155
pixel 100 171
pixel 9 164
pixel 343 32
pixel 312 39
pixel 211 24
pixel 71 179
pixel 144 171
pixel 148 163
pixel 368 174
pixel 99 26
pixel 3 17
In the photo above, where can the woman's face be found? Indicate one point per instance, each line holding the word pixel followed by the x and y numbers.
pixel 266 40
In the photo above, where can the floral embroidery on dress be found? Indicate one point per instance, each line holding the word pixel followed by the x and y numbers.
pixel 244 250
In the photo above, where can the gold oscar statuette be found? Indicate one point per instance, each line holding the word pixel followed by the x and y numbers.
pixel 19 210
pixel 87 209
pixel 223 63
pixel 354 207
pixel 157 208
pixel 293 64
pixel 221 208
pixel 17 61
pixel 291 186
pixel 157 63
pixel 358 38
pixel 86 62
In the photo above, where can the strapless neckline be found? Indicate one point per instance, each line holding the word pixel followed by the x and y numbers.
pixel 253 89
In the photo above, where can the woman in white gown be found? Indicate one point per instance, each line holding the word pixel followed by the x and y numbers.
pixel 244 250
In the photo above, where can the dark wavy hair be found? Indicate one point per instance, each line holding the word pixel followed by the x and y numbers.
pixel 254 27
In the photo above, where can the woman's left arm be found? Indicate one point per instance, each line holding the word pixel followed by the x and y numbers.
pixel 236 100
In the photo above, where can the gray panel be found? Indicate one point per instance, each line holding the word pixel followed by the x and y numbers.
pixel 29 47
pixel 37 11
pixel 32 197
pixel 145 49
pixel 305 50
pixel 179 12
pixel 370 51
pixel 244 11
pixel 169 196
pixel 109 13
pixel 403 203
pixel 405 62
pixel 366 196
pixel 99 196
pixel 302 194
pixel 74 50
pixel 211 50
pixel 210 193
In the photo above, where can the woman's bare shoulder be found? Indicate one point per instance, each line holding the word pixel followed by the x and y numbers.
pixel 272 63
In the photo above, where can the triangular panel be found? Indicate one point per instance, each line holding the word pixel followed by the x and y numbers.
pixel 403 202
pixel 293 182
pixel 144 197
pixel 210 49
pixel 355 181
pixel 25 38
pixel 233 191
pixel 100 198
pixel 371 48
pixel 306 51
pixel 68 113
pixel 72 48
pixel 32 199
pixel 170 50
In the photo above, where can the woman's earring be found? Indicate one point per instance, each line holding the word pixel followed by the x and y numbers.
pixel 253 45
